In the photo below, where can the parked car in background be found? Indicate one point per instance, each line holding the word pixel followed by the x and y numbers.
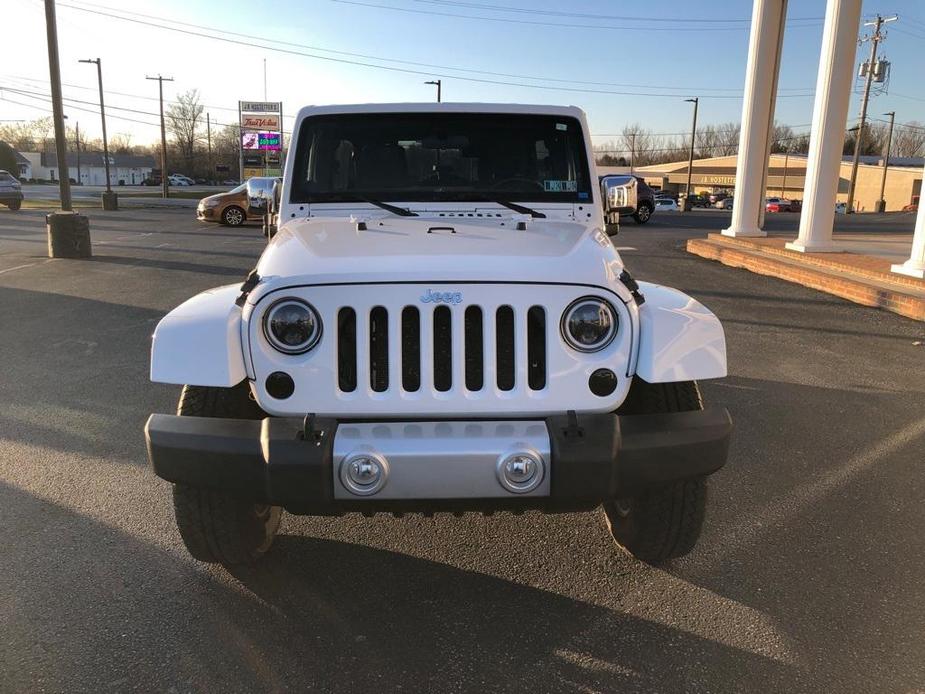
pixel 777 205
pixel 841 208
pixel 10 190
pixel 235 207
pixel 666 205
pixel 912 206
pixel 796 205
pixel 696 200
pixel 666 194
pixel 179 180
pixel 717 197
pixel 724 204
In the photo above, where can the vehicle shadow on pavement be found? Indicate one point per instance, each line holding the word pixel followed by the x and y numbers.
pixel 388 619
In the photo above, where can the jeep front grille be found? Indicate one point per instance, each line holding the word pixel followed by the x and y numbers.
pixel 437 340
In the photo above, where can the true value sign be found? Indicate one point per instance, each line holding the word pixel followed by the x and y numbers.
pixel 263 121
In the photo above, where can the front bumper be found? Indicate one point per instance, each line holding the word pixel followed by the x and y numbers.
pixel 592 458
pixel 206 214
pixel 10 196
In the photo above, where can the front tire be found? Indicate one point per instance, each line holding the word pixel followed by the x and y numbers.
pixel 15 205
pixel 643 213
pixel 664 521
pixel 233 216
pixel 217 526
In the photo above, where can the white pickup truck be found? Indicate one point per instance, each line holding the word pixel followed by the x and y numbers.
pixel 440 323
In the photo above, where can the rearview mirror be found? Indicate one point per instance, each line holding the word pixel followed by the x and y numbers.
pixel 619 195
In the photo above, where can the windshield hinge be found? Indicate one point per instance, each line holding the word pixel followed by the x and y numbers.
pixel 252 280
pixel 627 279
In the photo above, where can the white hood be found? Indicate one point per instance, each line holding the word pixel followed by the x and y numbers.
pixel 324 250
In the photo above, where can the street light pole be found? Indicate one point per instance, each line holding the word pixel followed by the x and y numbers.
pixel 690 159
pixel 439 84
pixel 165 190
pixel 881 203
pixel 209 141
pixel 875 40
pixel 110 200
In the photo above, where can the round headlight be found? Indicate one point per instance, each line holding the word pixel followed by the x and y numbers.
pixel 589 324
pixel 292 326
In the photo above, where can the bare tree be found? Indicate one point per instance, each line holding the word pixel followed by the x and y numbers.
pixel 27 137
pixel 909 140
pixel 183 123
pixel 638 144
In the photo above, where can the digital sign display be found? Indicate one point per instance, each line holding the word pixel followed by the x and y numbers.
pixel 269 141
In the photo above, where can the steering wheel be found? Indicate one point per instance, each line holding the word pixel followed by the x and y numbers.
pixel 517 179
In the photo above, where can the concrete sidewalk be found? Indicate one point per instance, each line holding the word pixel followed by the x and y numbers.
pixel 861 273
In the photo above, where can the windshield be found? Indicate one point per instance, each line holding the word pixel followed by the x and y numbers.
pixel 440 157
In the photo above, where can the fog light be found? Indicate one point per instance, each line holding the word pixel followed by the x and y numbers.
pixel 521 472
pixel 364 473
pixel 280 385
pixel 603 382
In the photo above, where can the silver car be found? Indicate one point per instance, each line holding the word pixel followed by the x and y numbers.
pixel 10 190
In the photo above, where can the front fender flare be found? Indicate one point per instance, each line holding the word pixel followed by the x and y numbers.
pixel 679 338
pixel 199 342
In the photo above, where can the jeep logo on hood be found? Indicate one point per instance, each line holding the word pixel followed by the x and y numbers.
pixel 432 297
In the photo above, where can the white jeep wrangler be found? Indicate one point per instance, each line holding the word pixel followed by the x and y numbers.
pixel 440 323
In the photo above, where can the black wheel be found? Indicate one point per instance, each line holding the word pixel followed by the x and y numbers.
pixel 233 216
pixel 15 205
pixel 216 526
pixel 663 521
pixel 643 213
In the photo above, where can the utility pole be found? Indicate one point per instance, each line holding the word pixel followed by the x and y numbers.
pixel 783 185
pixel 68 233
pixel 439 84
pixel 875 38
pixel 690 159
pixel 209 141
pixel 264 79
pixel 77 138
pixel 881 203
pixel 165 190
pixel 632 151
pixel 110 200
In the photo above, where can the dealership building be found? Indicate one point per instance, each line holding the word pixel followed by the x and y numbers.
pixel 786 178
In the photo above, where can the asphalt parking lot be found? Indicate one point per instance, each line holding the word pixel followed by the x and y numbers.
pixel 808 576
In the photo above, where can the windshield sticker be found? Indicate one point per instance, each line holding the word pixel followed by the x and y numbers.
pixel 582 196
pixel 561 126
pixel 560 186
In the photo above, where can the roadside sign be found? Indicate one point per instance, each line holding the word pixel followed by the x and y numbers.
pixel 261 106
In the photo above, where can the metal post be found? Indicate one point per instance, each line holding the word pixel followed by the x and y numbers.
pixel 439 84
pixel 209 141
pixel 632 151
pixel 875 40
pixel 881 202
pixel 165 190
pixel 783 185
pixel 690 159
pixel 77 139
pixel 64 181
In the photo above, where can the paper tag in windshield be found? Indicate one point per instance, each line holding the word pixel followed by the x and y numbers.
pixel 560 186
pixel 561 126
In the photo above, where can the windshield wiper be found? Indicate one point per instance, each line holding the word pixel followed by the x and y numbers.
pixel 515 207
pixel 400 211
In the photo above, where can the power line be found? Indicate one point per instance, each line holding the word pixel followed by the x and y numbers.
pixel 647 19
pixel 390 68
pixel 698 29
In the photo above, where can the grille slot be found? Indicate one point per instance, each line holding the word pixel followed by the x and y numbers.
pixel 347 350
pixel 379 349
pixel 504 347
pixel 475 358
pixel 536 348
pixel 443 346
pixel 411 349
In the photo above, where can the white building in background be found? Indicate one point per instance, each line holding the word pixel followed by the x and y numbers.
pixel 124 169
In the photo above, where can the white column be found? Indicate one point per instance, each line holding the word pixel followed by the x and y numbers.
pixel 827 137
pixel 761 75
pixel 915 266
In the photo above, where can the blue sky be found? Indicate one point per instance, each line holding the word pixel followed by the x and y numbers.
pixel 701 54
